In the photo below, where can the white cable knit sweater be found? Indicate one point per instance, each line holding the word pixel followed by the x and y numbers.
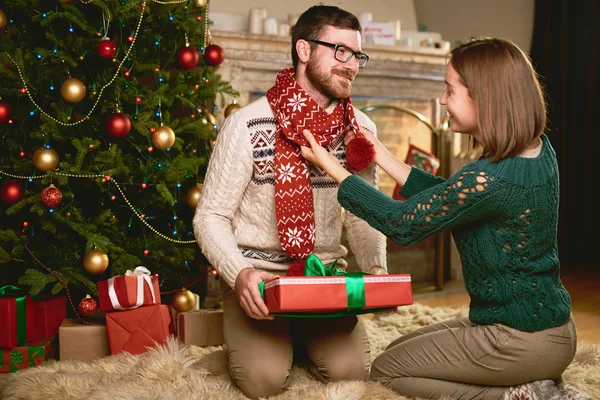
pixel 235 223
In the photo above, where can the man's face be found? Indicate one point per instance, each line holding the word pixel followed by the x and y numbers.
pixel 327 75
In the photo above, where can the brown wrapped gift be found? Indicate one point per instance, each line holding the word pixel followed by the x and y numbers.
pixel 201 328
pixel 81 342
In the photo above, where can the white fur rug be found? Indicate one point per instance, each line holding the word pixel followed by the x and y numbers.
pixel 189 372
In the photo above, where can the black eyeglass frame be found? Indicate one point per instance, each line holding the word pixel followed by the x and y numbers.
pixel 358 54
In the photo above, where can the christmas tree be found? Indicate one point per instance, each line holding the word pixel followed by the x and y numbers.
pixel 106 126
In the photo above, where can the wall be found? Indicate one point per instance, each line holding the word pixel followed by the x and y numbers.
pixel 458 20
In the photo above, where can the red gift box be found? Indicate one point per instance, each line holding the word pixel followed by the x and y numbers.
pixel 49 313
pixel 328 294
pixel 30 354
pixel 17 317
pixel 135 330
pixel 130 291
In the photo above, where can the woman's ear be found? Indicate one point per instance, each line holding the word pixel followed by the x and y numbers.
pixel 303 50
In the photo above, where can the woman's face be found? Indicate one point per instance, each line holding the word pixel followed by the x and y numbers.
pixel 461 107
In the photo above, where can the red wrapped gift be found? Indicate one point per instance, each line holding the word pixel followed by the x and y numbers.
pixel 134 289
pixel 135 330
pixel 49 313
pixel 17 317
pixel 330 292
pixel 30 354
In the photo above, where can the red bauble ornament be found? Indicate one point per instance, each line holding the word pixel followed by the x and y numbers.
pixel 51 196
pixel 360 153
pixel 87 306
pixel 214 55
pixel 118 125
pixel 106 48
pixel 11 191
pixel 4 111
pixel 187 57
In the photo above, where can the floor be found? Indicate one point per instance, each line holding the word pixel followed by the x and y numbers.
pixel 583 285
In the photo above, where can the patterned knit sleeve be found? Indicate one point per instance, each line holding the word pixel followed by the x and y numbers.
pixel 469 195
pixel 419 180
pixel 229 172
pixel 367 244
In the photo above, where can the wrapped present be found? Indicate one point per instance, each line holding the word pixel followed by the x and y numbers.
pixel 82 342
pixel 30 354
pixel 328 292
pixel 49 313
pixel 135 330
pixel 134 289
pixel 17 317
pixel 201 328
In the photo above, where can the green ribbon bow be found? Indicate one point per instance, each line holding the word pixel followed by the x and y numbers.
pixel 21 310
pixel 355 290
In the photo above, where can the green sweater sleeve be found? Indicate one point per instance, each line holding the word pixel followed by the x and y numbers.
pixel 467 196
pixel 419 180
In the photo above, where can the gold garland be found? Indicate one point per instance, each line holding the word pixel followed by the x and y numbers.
pixel 153 229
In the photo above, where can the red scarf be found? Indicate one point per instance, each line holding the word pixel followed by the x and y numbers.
pixel 296 111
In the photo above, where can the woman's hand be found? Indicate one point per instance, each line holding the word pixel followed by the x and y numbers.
pixel 318 155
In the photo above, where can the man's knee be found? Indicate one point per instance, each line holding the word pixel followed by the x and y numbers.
pixel 343 370
pixel 258 382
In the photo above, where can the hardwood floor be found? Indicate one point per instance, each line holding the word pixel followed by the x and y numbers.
pixel 583 285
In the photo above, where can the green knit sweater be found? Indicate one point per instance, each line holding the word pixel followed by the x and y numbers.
pixel 503 217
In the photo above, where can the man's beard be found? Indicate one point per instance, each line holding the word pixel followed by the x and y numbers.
pixel 327 84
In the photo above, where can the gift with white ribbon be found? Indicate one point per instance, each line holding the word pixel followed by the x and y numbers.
pixel 132 290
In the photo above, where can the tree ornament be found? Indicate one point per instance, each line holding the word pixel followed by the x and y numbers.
pixel 360 153
pixel 51 196
pixel 3 19
pixel 183 300
pixel 214 55
pixel 200 3
pixel 193 195
pixel 72 90
pixel 187 57
pixel 163 138
pixel 11 191
pixel 5 110
pixel 45 159
pixel 118 125
pixel 231 108
pixel 95 261
pixel 87 306
pixel 209 118
pixel 106 48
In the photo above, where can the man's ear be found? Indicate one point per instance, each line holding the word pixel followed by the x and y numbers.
pixel 303 50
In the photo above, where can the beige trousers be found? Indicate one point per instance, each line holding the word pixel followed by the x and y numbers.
pixel 261 352
pixel 461 360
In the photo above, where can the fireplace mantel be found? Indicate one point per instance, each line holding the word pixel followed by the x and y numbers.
pixel 252 61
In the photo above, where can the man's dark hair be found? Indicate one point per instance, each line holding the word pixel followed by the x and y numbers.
pixel 313 21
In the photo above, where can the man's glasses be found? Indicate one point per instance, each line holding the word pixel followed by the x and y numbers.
pixel 343 53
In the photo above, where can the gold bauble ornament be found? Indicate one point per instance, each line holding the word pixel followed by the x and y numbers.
pixel 45 159
pixel 193 195
pixel 231 108
pixel 72 90
pixel 163 138
pixel 3 19
pixel 95 261
pixel 183 301
pixel 200 3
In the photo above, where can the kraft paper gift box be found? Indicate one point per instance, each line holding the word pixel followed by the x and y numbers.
pixel 329 292
pixel 134 289
pixel 17 317
pixel 49 313
pixel 201 328
pixel 82 342
pixel 30 354
pixel 133 331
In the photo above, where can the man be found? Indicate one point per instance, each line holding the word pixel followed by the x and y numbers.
pixel 264 208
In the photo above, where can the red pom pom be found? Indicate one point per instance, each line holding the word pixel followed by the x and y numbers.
pixel 360 153
pixel 296 268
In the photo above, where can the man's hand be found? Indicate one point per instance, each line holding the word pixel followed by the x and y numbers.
pixel 246 290
pixel 377 271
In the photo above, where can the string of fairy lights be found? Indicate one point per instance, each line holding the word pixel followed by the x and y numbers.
pixel 27 89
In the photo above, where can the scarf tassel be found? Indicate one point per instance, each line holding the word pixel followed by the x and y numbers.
pixel 296 268
pixel 360 153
